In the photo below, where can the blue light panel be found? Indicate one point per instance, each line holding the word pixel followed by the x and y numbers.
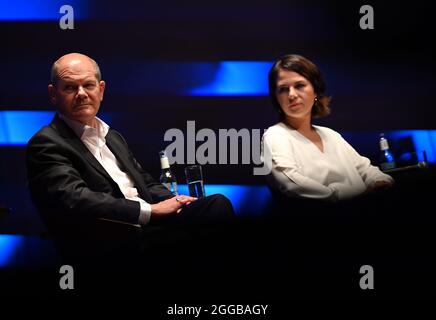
pixel 17 127
pixel 31 10
pixel 424 140
pixel 221 78
pixel 9 244
pixel 234 78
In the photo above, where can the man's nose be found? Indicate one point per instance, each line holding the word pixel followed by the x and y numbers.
pixel 81 92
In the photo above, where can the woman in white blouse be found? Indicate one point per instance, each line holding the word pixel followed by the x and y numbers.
pixel 309 161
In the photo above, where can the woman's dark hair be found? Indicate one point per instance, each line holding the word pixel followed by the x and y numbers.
pixel 306 68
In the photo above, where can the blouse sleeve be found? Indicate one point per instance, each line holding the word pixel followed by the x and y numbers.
pixel 370 174
pixel 286 175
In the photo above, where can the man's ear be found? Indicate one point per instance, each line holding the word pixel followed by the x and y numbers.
pixel 52 93
pixel 102 85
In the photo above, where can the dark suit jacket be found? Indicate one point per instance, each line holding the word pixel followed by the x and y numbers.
pixel 66 180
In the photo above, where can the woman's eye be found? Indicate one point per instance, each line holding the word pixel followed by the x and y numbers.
pixel 283 89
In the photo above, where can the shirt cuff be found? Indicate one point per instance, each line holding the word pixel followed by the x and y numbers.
pixel 144 213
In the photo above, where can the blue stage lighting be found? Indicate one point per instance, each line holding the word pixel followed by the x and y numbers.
pixel 9 244
pixel 424 140
pixel 43 10
pixel 17 127
pixel 245 198
pixel 233 78
pixel 222 78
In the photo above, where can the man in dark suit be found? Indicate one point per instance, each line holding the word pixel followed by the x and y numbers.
pixel 80 171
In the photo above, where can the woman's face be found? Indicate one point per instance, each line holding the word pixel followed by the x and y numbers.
pixel 295 95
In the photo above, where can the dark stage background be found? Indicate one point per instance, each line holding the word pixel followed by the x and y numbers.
pixel 152 54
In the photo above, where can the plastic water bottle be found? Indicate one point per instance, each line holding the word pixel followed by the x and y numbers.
pixel 387 160
pixel 167 178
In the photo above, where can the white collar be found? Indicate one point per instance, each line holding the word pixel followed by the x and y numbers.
pixel 83 130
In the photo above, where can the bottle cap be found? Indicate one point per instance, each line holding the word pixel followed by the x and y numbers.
pixel 164 163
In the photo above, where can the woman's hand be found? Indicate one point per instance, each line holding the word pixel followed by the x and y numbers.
pixel 379 186
pixel 382 185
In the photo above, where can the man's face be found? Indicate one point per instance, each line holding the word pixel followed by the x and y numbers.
pixel 77 93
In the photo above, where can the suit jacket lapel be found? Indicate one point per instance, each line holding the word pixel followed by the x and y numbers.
pixel 122 154
pixel 66 132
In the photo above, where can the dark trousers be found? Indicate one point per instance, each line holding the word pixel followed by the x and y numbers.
pixel 120 245
pixel 199 226
pixel 183 251
pixel 215 209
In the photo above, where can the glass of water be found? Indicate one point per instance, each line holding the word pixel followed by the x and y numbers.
pixel 194 179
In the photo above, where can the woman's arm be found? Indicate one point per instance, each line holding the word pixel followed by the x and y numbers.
pixel 371 175
pixel 286 175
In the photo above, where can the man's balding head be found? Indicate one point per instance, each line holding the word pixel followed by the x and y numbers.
pixel 72 57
